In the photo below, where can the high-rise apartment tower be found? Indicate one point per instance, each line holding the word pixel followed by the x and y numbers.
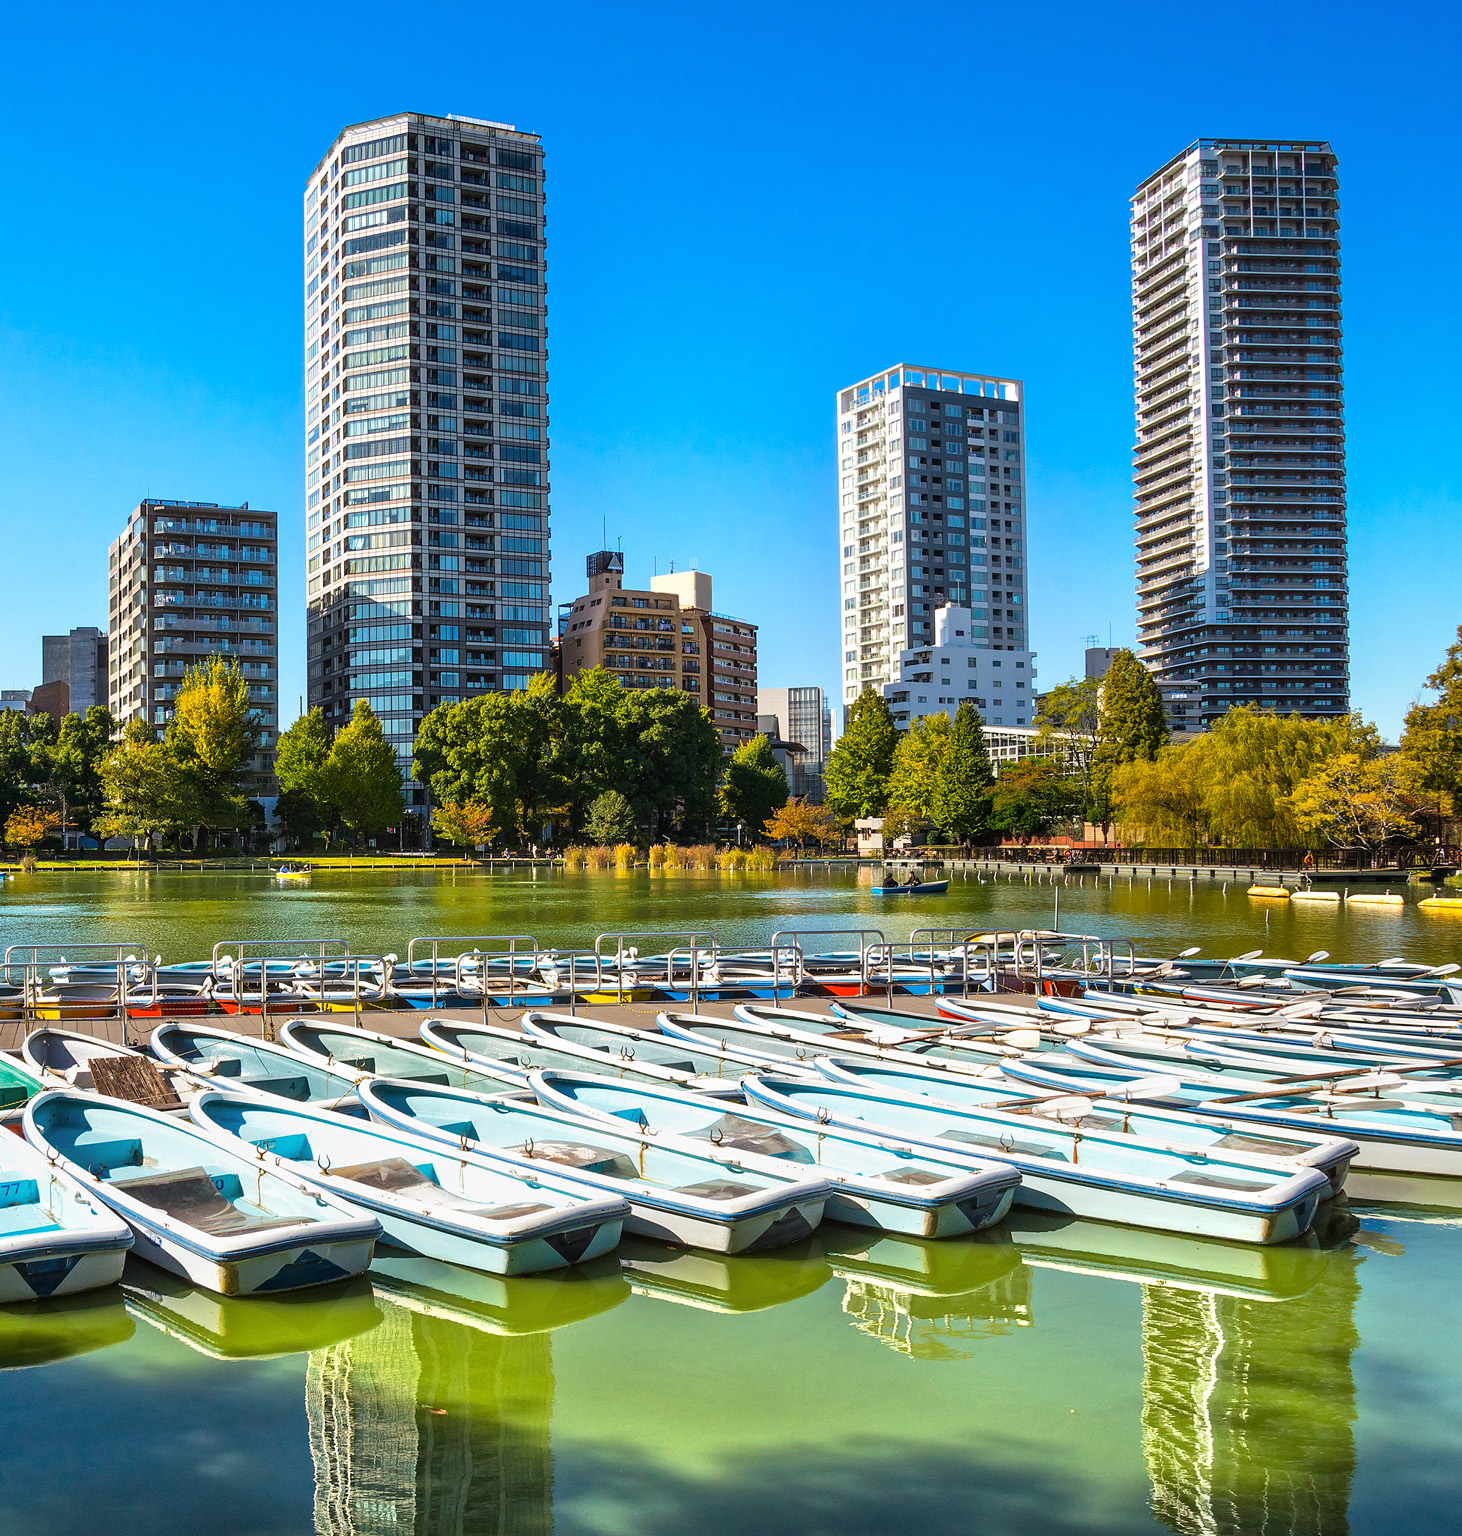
pixel 931 477
pixel 426 426
pixel 188 579
pixel 1240 459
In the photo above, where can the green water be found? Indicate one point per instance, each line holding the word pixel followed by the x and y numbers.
pixel 181 916
pixel 1043 1378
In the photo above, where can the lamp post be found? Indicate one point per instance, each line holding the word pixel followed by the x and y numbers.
pixel 739 826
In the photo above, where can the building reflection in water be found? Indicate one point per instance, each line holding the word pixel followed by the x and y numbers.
pixel 431 1426
pixel 1248 1406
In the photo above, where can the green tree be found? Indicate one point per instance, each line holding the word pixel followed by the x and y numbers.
pixel 1431 744
pixel 300 758
pixel 961 800
pixel 594 748
pixel 214 734
pixel 147 793
pixel 675 762
pixel 299 765
pixel 858 767
pixel 1355 802
pixel 913 781
pixel 471 751
pixel 1069 719
pixel 1131 726
pixel 611 819
pixel 1164 802
pixel 1237 781
pixel 300 815
pixel 755 783
pixel 1031 798
pixel 362 777
pixel 17 779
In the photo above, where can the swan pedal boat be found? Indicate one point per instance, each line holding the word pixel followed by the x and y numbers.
pixel 195 1204
pixel 439 1202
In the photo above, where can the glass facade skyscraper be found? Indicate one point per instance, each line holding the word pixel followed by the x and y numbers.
pixel 426 430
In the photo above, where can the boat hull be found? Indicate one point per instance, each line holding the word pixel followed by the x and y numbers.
pixel 301 1264
pixel 60 1270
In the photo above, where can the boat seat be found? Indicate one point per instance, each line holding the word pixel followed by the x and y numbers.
pixel 398 1177
pixel 911 1176
pixel 190 1196
pixel 297 1088
pixel 21 1220
pixel 98 1151
pixel 221 1066
pixel 18 1189
pixel 432 1079
pixel 1219 1180
pixel 579 1154
pixel 718 1189
pixel 1265 1146
pixel 12 1094
pixel 999 1144
pixel 737 1134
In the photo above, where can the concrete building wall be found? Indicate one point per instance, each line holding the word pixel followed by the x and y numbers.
pixel 189 579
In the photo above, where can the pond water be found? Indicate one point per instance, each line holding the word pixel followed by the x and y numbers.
pixel 1046 1377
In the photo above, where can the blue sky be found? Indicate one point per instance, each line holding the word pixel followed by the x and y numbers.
pixel 748 206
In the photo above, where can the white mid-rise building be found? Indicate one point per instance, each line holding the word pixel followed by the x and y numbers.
pixel 959 667
pixel 931 511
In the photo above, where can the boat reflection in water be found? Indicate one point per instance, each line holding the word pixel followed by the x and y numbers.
pixel 1248 1406
pixel 713 1282
pixel 41 1332
pixel 248 1327
pixel 928 1300
pixel 438 1419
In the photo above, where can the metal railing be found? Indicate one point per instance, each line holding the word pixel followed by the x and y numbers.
pixel 695 942
pixel 870 940
pixel 34 966
pixel 504 944
pixel 328 989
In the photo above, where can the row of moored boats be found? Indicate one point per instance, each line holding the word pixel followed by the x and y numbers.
pixel 1227 1108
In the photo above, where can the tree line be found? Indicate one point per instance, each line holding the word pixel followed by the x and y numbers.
pixel 1256 778
pixel 939 771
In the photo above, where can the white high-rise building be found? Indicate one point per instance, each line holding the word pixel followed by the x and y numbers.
pixel 931 511
pixel 1239 466
pixel 426 429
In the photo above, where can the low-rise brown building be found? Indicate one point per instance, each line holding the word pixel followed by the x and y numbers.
pixel 665 637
